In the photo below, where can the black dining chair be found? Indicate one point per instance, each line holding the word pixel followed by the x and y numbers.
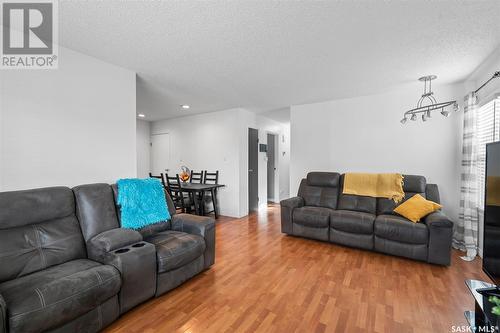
pixel 174 190
pixel 211 197
pixel 160 177
pixel 196 177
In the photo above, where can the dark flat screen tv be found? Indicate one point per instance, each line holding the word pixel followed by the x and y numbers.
pixel 491 238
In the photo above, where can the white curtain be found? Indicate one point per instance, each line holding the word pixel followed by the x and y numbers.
pixel 466 230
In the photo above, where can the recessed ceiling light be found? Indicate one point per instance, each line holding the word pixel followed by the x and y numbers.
pixel 141 115
pixel 185 106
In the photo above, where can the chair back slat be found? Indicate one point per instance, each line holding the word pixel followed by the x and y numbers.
pixel 211 177
pixel 196 177
pixel 160 177
pixel 174 189
pixel 173 182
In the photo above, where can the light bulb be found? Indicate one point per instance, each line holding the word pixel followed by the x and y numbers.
pixel 424 117
pixel 413 117
pixel 404 120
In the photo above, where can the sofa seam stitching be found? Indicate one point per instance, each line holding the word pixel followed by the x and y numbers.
pixel 62 300
pixel 5 254
pixel 42 300
pixel 37 235
pixel 99 279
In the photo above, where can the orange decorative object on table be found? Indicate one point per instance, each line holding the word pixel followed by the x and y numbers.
pixel 185 174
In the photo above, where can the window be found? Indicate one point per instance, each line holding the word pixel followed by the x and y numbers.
pixel 488 129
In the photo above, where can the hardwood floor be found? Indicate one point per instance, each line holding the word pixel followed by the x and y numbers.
pixel 264 281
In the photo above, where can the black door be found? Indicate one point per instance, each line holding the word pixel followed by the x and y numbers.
pixel 271 167
pixel 253 169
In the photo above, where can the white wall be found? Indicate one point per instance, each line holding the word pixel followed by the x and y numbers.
pixel 364 135
pixel 219 141
pixel 143 146
pixel 69 126
pixel 210 142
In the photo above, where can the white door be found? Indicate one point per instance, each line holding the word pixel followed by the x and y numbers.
pixel 160 153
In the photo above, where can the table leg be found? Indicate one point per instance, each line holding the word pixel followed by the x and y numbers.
pixel 195 204
pixel 214 203
pixel 202 203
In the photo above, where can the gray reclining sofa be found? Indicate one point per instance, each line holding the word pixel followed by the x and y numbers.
pixel 66 266
pixel 322 212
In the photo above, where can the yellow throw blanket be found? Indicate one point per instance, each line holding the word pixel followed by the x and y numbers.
pixel 378 185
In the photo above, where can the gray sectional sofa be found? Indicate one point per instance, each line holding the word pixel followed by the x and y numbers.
pixel 322 212
pixel 66 266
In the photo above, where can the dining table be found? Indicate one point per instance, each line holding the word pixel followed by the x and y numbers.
pixel 198 190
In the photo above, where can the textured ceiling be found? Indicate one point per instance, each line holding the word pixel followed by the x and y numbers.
pixel 266 55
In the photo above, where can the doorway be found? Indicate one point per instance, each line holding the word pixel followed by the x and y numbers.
pixel 271 167
pixel 160 153
pixel 253 169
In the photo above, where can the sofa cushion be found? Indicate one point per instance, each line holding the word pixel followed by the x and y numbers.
pixel 399 229
pixel 96 210
pixel 323 179
pixel 351 221
pixel 412 251
pixel 320 189
pixel 411 185
pixel 175 249
pixel 20 208
pixel 31 248
pixel 38 229
pixel 316 217
pixel 356 202
pixel 46 299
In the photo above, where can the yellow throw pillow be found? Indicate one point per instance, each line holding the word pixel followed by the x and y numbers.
pixel 416 207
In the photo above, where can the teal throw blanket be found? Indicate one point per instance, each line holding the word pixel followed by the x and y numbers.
pixel 142 202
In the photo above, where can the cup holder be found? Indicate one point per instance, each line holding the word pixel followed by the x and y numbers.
pixel 139 245
pixel 122 251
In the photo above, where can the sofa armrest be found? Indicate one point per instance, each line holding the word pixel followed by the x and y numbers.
pixel 135 260
pixel 202 226
pixel 440 235
pixel 438 219
pixel 287 207
pixel 110 240
pixel 3 315
pixel 194 224
pixel 432 193
pixel 294 202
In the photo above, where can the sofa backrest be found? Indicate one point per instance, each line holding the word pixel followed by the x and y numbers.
pixel 356 202
pixel 95 209
pixel 154 228
pixel 320 189
pixel 411 185
pixel 38 229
